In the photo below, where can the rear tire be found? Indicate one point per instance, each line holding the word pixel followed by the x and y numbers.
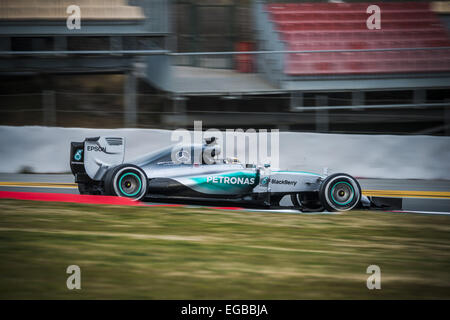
pixel 127 181
pixel 340 192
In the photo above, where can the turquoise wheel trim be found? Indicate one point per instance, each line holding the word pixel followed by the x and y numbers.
pixel 130 194
pixel 348 201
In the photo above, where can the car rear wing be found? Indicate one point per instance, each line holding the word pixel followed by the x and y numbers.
pixel 94 156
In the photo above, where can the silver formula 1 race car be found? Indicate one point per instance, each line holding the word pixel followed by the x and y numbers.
pixel 196 173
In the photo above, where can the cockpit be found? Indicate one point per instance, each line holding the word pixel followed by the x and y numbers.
pixel 204 154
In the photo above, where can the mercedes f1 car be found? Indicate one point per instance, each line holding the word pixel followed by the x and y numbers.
pixel 197 173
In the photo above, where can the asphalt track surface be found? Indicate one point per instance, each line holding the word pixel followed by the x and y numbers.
pixel 426 196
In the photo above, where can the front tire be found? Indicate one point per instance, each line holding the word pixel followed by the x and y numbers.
pixel 127 181
pixel 340 192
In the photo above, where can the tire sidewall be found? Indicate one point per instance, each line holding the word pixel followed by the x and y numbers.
pixel 325 192
pixel 113 177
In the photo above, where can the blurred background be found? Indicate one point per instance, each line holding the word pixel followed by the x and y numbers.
pixel 163 64
pixel 303 67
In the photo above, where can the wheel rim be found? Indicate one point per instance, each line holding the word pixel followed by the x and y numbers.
pixel 130 184
pixel 342 193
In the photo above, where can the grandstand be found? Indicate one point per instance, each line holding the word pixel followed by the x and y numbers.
pixel 339 26
pixel 313 66
pixel 342 26
pixel 404 65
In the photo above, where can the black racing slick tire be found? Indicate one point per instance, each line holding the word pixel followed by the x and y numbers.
pixel 340 192
pixel 127 181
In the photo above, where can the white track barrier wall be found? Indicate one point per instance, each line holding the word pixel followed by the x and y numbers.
pixel 46 150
